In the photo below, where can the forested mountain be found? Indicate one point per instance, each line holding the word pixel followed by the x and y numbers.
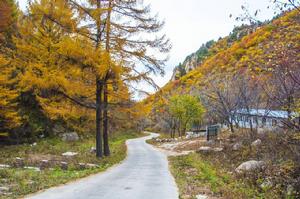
pixel 195 59
pixel 258 69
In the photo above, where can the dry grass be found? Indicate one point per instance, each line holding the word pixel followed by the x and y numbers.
pixel 24 181
pixel 215 171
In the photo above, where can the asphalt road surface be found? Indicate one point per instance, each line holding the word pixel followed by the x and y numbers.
pixel 143 175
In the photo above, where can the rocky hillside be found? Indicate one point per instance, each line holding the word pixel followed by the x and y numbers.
pixel 206 50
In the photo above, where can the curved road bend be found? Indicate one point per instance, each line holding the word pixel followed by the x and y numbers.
pixel 143 175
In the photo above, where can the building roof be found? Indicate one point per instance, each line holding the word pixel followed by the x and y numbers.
pixel 267 113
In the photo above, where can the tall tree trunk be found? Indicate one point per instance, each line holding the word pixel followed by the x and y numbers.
pixel 99 91
pixel 105 112
pixel 251 125
pixel 99 88
pixel 231 127
pixel 105 122
pixel 179 129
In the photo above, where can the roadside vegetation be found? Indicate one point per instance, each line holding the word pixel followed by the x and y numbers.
pixel 20 181
pixel 194 175
pixel 214 173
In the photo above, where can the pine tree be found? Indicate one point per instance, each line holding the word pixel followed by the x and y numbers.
pixel 121 45
pixel 9 117
pixel 67 51
pixel 8 114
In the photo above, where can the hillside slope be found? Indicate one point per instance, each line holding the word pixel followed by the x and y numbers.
pixel 209 49
pixel 263 67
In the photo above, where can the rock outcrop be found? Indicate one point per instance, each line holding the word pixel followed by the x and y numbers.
pixel 249 166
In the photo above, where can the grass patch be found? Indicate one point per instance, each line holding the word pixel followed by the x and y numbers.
pixel 194 175
pixel 213 173
pixel 22 182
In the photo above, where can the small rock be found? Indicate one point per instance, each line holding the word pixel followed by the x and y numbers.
pixel 210 142
pixel 64 165
pixel 205 149
pixel 93 150
pixel 256 143
pixel 261 131
pixel 58 129
pixel 249 166
pixel 4 189
pixel 19 162
pixel 266 184
pixel 290 190
pixel 237 146
pixel 5 193
pixel 33 168
pixel 91 166
pixel 4 166
pixel 200 196
pixel 44 164
pixel 33 144
pixel 82 166
pixel 3 180
pixel 30 182
pixel 190 135
pixel 70 137
pixel 218 149
pixel 69 154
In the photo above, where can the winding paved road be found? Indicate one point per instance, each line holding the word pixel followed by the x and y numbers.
pixel 143 175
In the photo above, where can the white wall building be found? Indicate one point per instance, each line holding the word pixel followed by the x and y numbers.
pixel 261 118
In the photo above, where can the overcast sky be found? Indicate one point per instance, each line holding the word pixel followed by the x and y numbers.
pixel 190 23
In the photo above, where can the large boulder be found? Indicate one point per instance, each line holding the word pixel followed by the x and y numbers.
pixel 70 137
pixel 249 166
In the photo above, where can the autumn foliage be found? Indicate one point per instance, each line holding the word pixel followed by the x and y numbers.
pixel 67 60
pixel 259 70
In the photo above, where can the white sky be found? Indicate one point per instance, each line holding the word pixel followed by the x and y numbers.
pixel 189 23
